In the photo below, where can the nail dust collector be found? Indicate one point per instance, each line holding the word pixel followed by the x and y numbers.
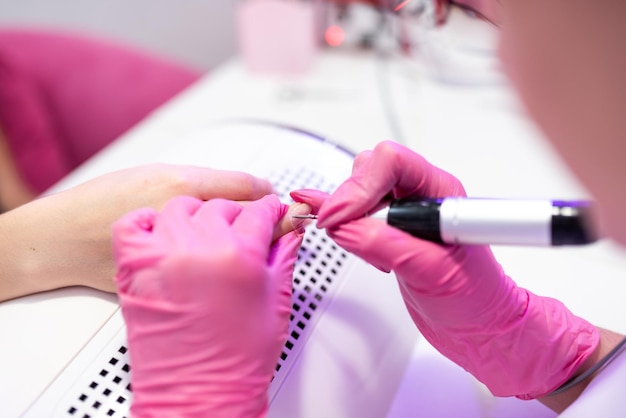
pixel 350 337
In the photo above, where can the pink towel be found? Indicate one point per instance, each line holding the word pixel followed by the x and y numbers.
pixel 63 97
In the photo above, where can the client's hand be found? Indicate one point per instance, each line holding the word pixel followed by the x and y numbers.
pixel 206 297
pixel 459 297
pixel 65 239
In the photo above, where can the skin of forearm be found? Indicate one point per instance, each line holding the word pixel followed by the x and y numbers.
pixel 20 272
pixel 558 403
pixel 45 248
pixel 57 241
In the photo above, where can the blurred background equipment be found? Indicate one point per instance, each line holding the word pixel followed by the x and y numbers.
pixel 197 33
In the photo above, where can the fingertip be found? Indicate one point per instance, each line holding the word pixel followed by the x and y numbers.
pixel 249 187
pixel 233 185
pixel 300 194
pixel 312 197
pixel 334 213
pixel 187 205
pixel 268 207
pixel 262 187
pixel 285 248
pixel 370 239
pixel 274 201
pixel 361 159
pixel 216 211
pixel 130 234
pixel 259 219
pixel 298 209
pixel 135 222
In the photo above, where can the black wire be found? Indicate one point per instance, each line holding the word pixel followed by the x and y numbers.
pixel 478 14
pixel 383 78
pixel 386 96
pixel 383 73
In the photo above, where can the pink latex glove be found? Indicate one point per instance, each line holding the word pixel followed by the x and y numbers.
pixel 206 297
pixel 515 342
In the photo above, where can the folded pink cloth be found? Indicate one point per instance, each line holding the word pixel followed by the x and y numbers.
pixel 64 96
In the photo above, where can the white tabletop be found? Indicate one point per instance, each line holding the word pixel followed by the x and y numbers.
pixel 477 132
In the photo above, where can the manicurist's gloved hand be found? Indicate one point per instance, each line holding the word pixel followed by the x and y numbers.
pixel 206 295
pixel 515 342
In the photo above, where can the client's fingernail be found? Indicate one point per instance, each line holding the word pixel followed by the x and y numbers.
pixel 299 209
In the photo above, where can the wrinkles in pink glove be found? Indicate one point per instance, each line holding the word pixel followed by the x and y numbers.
pixel 515 342
pixel 206 297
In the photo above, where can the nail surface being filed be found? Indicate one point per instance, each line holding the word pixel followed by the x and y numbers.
pixel 307 216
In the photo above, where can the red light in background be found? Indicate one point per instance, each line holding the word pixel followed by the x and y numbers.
pixel 401 5
pixel 334 35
